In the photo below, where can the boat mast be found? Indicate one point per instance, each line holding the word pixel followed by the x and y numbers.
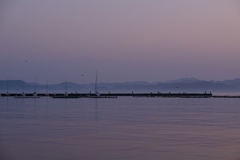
pixel 96 83
pixel 22 85
pixel 7 85
pixel 47 87
pixel 65 85
pixel 35 87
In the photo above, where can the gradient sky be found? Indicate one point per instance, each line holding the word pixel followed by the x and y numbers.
pixel 137 40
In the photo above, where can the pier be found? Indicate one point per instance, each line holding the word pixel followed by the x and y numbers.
pixel 86 95
pixel 226 96
pixel 132 94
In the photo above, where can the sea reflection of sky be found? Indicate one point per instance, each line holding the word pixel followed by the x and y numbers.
pixel 122 128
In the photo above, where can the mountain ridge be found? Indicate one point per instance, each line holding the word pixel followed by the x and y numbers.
pixel 180 85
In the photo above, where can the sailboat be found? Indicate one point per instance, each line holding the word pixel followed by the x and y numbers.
pixel 98 95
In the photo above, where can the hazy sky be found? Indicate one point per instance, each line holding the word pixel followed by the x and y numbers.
pixel 137 40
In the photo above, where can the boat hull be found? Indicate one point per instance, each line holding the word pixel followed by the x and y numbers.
pixel 26 97
pixel 65 97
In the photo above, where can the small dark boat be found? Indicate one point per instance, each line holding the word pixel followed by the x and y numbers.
pixel 26 97
pixel 65 97
pixel 103 96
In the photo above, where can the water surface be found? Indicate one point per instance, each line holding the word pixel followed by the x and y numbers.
pixel 124 128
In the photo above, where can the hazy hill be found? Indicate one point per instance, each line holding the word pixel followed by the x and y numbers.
pixel 14 86
pixel 234 83
pixel 185 80
pixel 180 85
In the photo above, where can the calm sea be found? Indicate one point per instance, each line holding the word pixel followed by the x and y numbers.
pixel 124 128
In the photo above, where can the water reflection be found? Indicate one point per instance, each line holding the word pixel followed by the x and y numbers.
pixel 46 106
pixel 65 108
pixel 7 107
pixel 35 107
pixel 96 109
pixel 22 106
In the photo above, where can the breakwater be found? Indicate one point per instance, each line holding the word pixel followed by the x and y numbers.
pixel 132 94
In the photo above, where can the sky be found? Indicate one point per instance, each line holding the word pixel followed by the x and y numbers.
pixel 137 40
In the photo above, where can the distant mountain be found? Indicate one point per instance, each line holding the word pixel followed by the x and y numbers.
pixel 201 86
pixel 212 81
pixel 185 80
pixel 14 85
pixel 67 84
pixel 234 82
pixel 179 85
pixel 33 83
pixel 136 83
pixel 63 87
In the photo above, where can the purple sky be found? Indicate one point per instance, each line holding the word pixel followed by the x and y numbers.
pixel 137 40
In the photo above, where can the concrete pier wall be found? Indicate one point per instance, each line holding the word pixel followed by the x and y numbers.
pixel 183 95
